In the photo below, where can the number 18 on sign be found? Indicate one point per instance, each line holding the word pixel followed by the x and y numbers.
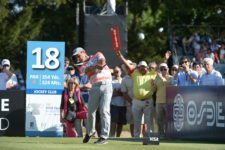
pixel 45 64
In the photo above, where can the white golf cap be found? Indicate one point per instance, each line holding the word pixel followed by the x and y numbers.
pixel 77 50
pixel 163 65
pixel 142 63
pixel 175 66
pixel 5 62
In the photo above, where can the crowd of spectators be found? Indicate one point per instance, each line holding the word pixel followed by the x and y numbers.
pixel 199 47
pixel 138 89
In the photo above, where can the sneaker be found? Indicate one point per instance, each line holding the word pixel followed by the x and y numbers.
pixel 88 137
pixel 101 141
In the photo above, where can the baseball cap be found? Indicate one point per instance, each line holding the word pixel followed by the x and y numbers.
pixel 175 66
pixel 70 68
pixel 163 65
pixel 5 62
pixel 142 63
pixel 77 50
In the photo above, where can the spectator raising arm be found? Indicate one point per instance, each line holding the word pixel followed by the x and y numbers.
pixel 129 66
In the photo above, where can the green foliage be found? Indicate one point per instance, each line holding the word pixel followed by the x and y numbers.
pixel 54 20
pixel 39 20
pixel 181 16
pixel 3 10
pixel 154 44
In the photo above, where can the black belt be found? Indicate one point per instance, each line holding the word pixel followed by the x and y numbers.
pixel 143 99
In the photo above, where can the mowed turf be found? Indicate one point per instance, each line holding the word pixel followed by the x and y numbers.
pixel 41 143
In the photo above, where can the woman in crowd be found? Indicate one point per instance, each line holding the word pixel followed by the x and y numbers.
pixel 198 67
pixel 118 105
pixel 70 109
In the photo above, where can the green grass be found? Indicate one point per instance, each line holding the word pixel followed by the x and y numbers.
pixel 40 143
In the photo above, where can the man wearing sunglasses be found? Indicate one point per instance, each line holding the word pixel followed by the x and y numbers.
pixel 186 76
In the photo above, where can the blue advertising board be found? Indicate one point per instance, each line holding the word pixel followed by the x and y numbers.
pixel 45 83
pixel 196 112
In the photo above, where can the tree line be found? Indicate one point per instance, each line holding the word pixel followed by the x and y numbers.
pixel 55 20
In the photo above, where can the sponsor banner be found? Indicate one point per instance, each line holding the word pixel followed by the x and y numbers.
pixel 152 139
pixel 196 112
pixel 43 115
pixel 45 83
pixel 44 91
pixel 12 110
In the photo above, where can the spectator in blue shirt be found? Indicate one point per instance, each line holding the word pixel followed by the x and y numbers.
pixel 211 76
pixel 186 76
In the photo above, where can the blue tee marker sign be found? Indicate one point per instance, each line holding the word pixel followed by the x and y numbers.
pixel 45 83
pixel 45 67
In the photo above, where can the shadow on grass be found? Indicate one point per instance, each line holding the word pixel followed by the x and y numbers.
pixel 171 140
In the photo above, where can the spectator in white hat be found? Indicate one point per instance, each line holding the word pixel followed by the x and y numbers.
pixel 174 71
pixel 127 90
pixel 118 105
pixel 142 89
pixel 162 80
pixel 8 80
pixel 211 77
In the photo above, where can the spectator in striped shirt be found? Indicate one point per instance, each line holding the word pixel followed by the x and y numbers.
pixel 99 74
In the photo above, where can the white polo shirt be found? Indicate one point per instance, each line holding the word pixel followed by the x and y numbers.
pixel 3 80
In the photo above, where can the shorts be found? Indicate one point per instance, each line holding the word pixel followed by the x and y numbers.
pixel 118 114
